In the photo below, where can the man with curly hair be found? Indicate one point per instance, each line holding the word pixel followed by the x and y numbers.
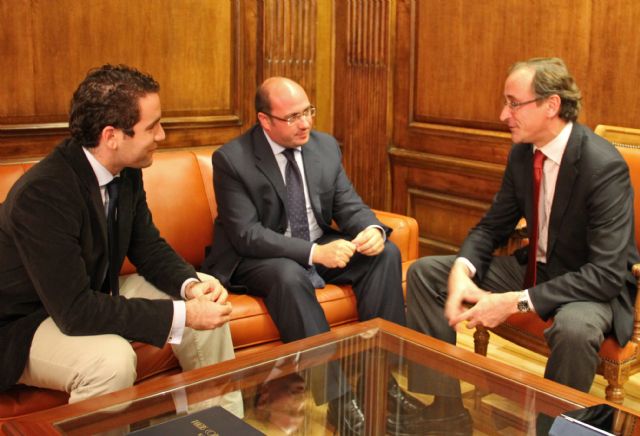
pixel 66 317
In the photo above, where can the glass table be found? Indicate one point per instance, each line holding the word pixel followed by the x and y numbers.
pixel 285 390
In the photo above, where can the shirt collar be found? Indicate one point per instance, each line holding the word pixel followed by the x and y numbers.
pixel 555 148
pixel 103 175
pixel 275 147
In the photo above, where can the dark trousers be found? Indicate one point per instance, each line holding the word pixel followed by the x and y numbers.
pixel 291 299
pixel 574 338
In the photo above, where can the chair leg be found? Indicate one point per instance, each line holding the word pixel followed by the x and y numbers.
pixel 481 340
pixel 480 346
pixel 616 375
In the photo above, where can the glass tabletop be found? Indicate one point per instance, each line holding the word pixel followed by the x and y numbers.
pixel 303 388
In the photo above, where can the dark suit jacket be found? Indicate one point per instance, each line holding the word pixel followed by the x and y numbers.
pixel 53 257
pixel 251 198
pixel 591 245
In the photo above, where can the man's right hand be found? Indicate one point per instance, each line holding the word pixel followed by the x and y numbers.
pixel 461 289
pixel 204 314
pixel 335 254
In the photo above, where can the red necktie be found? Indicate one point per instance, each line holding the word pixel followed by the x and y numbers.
pixel 530 277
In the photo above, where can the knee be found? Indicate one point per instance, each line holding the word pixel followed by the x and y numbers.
pixel 290 277
pixel 119 364
pixel 574 332
pixel 391 252
pixel 116 365
pixel 418 272
pixel 111 369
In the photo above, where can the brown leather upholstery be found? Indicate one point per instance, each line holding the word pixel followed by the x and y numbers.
pixel 617 363
pixel 180 195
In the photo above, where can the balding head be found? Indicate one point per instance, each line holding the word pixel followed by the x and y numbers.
pixel 276 87
pixel 284 111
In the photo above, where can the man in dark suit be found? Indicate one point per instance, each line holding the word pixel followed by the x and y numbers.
pixel 65 318
pixel 577 269
pixel 278 187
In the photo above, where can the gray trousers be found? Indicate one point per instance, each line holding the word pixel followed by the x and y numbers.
pixel 574 338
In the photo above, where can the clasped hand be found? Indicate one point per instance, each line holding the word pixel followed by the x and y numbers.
pixel 207 305
pixel 489 309
pixel 338 253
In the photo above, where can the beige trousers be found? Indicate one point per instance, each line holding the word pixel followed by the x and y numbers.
pixel 87 366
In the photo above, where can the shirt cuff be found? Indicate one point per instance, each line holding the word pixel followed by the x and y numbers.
pixel 467 262
pixel 184 287
pixel 313 247
pixel 526 294
pixel 178 323
pixel 384 234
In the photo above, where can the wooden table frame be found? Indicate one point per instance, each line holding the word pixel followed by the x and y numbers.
pixel 484 373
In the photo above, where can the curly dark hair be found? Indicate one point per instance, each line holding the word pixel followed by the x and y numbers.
pixel 108 96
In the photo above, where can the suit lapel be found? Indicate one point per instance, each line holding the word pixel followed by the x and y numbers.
pixel 76 158
pixel 564 185
pixel 266 162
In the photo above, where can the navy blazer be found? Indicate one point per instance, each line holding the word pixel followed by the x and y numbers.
pixel 591 246
pixel 251 198
pixel 53 258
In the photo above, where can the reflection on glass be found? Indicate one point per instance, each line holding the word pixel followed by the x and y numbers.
pixel 279 406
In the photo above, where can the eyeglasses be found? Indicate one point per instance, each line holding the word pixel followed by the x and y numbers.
pixel 291 119
pixel 514 105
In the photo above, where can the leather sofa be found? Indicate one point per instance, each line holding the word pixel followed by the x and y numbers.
pixel 180 195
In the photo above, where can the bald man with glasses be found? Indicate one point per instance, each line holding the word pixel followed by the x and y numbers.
pixel 278 187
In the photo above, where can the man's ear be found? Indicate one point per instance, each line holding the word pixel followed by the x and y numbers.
pixel 264 121
pixel 110 137
pixel 553 105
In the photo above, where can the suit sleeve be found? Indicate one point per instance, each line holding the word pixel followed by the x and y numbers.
pixel 47 225
pixel 241 220
pixel 498 223
pixel 609 209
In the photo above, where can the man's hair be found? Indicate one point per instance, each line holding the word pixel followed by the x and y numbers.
pixel 262 100
pixel 551 76
pixel 108 96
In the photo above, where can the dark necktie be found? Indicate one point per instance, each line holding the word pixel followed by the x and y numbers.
pixel 111 281
pixel 296 204
pixel 297 208
pixel 530 277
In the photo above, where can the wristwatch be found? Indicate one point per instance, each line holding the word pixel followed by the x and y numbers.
pixel 523 303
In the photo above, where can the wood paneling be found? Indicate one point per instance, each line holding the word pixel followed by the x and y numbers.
pixel 294 40
pixel 362 118
pixel 411 89
pixel 451 59
pixel 200 52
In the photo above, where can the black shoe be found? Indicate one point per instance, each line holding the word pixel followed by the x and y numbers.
pixel 346 416
pixel 402 404
pixel 458 424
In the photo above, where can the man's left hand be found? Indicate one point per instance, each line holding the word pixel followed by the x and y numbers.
pixel 369 241
pixel 490 310
pixel 213 289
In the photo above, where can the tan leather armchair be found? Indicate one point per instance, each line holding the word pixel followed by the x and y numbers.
pixel 617 363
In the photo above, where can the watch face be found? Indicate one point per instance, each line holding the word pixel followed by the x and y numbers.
pixel 523 306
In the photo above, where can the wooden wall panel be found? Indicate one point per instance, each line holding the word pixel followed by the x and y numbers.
pixel 295 41
pixel 363 93
pixel 451 59
pixel 611 91
pixel 193 48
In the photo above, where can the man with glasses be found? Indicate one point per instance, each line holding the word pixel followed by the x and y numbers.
pixel 278 187
pixel 573 188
